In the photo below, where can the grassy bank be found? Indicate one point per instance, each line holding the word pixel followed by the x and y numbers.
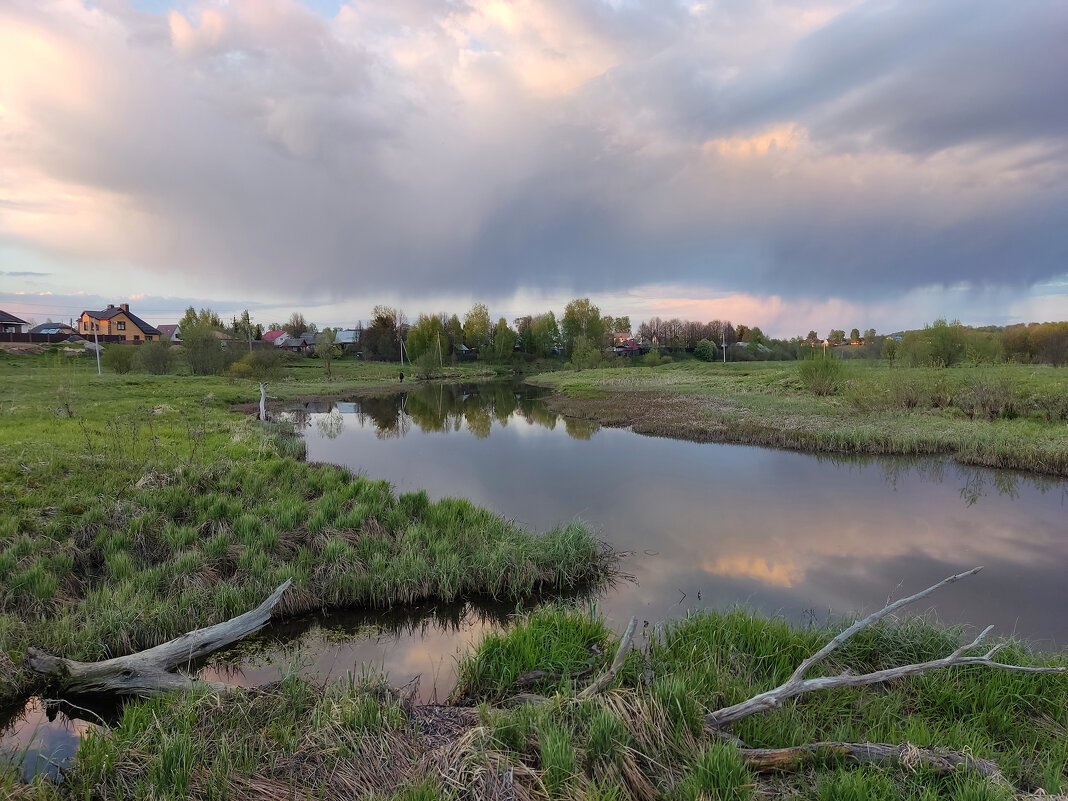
pixel 1010 416
pixel 641 739
pixel 139 507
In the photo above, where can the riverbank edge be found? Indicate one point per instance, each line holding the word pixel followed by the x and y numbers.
pixel 718 418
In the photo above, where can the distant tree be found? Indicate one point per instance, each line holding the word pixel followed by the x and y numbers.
pixel 276 327
pixel 869 335
pixel 202 350
pixel 891 348
pixel 326 348
pixel 477 326
pixel 581 319
pixel 836 337
pixel 743 333
pixel 946 341
pixel 503 341
pixel 424 337
pixel 296 325
pixel 812 337
pixel 454 330
pixel 854 335
pixel 381 340
pixel 205 318
pixel 544 335
pixel 621 325
pixel 756 337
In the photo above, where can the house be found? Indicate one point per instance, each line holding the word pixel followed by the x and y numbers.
pixel 626 347
pixel 116 321
pixel 276 338
pixel 10 324
pixel 53 328
pixel 171 332
pixel 346 337
pixel 300 344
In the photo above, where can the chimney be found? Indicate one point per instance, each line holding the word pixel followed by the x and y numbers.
pixel 125 307
pixel 111 305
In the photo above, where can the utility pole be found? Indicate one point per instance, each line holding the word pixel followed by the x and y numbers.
pixel 723 344
pixel 96 341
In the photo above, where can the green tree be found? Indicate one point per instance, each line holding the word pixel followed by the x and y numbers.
pixel 454 330
pixel 477 326
pixel 621 325
pixel 869 336
pixel 202 350
pixel 836 337
pixel 326 348
pixel 544 335
pixel 812 337
pixel 854 335
pixel 891 347
pixel 205 318
pixel 503 341
pixel 946 341
pixel 424 337
pixel 581 319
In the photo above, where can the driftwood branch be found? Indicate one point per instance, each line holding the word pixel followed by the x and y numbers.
pixel 152 671
pixel 609 675
pixel 798 685
pixel 941 761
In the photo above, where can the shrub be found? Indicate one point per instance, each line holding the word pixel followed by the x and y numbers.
pixel 118 358
pixel 822 374
pixel 427 365
pixel 261 364
pixel 156 357
pixel 705 351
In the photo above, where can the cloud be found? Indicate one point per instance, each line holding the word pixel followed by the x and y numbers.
pixel 854 151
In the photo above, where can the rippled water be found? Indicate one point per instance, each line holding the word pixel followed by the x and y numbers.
pixel 705 525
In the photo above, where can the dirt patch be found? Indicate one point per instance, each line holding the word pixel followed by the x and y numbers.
pixel 22 348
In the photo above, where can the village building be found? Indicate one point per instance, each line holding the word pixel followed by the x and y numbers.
pixel 116 321
pixel 10 324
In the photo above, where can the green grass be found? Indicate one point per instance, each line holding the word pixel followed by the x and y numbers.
pixel 140 507
pixel 1009 416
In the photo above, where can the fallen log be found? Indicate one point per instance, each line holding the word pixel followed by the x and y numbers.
pixel 152 671
pixel 941 761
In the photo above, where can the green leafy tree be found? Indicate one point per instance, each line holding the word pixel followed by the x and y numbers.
pixel 946 342
pixel 454 330
pixel 854 335
pixel 812 337
pixel 581 319
pixel 869 335
pixel 477 326
pixel 621 325
pixel 503 341
pixel 891 348
pixel 202 350
pixel 836 337
pixel 205 318
pixel 544 335
pixel 326 348
pixel 118 358
pixel 425 337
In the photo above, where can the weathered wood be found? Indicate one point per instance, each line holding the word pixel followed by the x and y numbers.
pixel 263 401
pixel 798 685
pixel 941 761
pixel 152 671
pixel 609 675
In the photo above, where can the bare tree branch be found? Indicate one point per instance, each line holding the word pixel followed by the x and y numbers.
pixel 609 675
pixel 798 685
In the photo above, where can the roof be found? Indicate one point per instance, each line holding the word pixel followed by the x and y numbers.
pixel 114 311
pixel 10 318
pixel 346 336
pixel 271 336
pixel 168 330
pixel 50 328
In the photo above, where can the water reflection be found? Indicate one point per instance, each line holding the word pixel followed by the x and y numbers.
pixel 438 408
pixel 42 736
pixel 715 525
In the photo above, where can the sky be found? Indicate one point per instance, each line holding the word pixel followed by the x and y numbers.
pixel 792 165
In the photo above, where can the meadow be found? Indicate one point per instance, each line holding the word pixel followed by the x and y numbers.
pixel 1009 416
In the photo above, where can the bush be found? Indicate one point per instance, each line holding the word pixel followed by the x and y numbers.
pixel 119 358
pixel 261 364
pixel 705 351
pixel 156 357
pixel 427 365
pixel 822 374
pixel 654 359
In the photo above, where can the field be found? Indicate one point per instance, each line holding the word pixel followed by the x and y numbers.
pixel 137 507
pixel 1008 416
